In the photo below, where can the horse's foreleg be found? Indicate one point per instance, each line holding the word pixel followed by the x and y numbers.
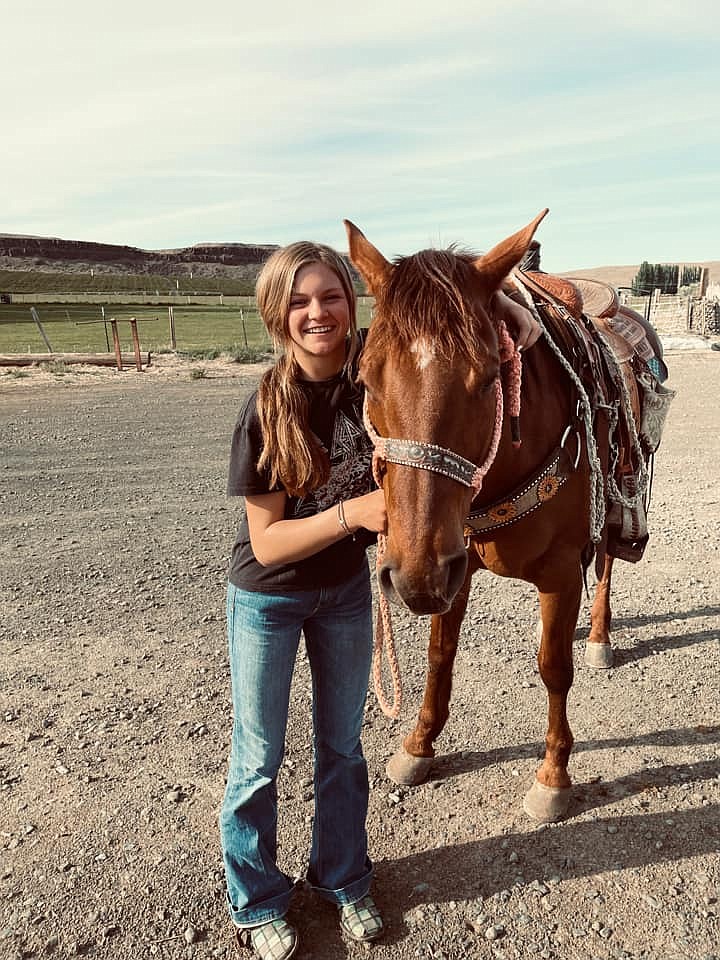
pixel 411 764
pixel 549 796
pixel 598 652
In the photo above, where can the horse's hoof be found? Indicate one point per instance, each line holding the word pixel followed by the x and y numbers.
pixel 546 804
pixel 599 655
pixel 406 770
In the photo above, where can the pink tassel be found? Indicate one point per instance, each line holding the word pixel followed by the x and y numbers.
pixel 510 355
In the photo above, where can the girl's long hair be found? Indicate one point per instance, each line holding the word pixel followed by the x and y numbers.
pixel 291 452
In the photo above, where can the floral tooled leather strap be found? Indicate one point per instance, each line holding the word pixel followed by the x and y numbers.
pixel 526 498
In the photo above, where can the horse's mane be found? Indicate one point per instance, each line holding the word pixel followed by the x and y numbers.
pixel 431 295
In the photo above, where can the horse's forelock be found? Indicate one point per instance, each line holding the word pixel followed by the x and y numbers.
pixel 432 296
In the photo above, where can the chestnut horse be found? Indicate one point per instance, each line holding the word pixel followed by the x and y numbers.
pixel 433 364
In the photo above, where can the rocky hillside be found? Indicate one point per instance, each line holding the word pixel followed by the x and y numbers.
pixel 240 260
pixel 52 253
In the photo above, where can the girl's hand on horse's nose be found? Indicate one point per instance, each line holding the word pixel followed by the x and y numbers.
pixel 367 511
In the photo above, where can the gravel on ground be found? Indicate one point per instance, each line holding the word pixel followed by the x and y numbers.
pixel 115 711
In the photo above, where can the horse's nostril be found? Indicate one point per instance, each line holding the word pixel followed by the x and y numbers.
pixel 441 585
pixel 385 578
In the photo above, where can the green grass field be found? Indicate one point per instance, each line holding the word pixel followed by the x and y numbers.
pixel 198 329
pixel 21 281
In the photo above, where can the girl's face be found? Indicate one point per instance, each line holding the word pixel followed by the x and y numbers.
pixel 318 321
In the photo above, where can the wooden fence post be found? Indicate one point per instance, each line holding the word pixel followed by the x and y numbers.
pixel 107 338
pixel 36 318
pixel 171 318
pixel 136 343
pixel 116 343
pixel 704 280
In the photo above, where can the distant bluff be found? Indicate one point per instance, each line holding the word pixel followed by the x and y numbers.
pixel 52 253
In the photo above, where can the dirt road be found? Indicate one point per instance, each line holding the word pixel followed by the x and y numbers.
pixel 115 715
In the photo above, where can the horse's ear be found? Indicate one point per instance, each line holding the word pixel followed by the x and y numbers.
pixel 374 268
pixel 498 263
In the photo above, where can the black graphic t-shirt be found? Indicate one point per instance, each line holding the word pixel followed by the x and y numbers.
pixel 336 419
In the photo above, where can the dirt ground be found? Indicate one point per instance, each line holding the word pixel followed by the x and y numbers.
pixel 115 713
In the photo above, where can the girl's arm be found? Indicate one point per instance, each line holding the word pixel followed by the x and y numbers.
pixel 276 540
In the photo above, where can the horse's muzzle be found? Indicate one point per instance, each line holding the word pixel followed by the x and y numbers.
pixel 430 592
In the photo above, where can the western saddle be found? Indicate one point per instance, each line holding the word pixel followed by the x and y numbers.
pixel 618 357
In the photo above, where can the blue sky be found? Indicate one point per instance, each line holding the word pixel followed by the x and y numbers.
pixel 162 124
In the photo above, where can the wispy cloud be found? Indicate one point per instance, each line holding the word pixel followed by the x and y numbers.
pixel 180 123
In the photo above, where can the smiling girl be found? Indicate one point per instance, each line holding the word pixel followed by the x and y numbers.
pixel 302 460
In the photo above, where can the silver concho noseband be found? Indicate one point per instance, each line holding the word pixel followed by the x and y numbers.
pixel 430 456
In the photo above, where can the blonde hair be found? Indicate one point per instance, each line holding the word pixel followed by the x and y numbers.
pixel 290 450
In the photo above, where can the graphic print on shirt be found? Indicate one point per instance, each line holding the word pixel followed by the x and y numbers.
pixel 350 466
pixel 347 439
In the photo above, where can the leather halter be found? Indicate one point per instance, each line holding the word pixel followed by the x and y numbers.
pixel 430 456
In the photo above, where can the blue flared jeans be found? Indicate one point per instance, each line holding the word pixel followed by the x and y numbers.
pixel 263 635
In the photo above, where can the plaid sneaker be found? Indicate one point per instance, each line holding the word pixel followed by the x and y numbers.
pixel 361 920
pixel 275 940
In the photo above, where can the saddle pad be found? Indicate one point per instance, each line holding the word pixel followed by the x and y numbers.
pixel 621 347
pixel 639 333
pixel 623 352
pixel 630 326
pixel 599 299
pixel 651 337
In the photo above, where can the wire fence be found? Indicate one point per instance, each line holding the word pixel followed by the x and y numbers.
pixel 187 328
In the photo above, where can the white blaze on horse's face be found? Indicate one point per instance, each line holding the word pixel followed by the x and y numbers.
pixel 424 351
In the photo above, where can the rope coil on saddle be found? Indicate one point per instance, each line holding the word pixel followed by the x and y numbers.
pixel 597 497
pixel 614 492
